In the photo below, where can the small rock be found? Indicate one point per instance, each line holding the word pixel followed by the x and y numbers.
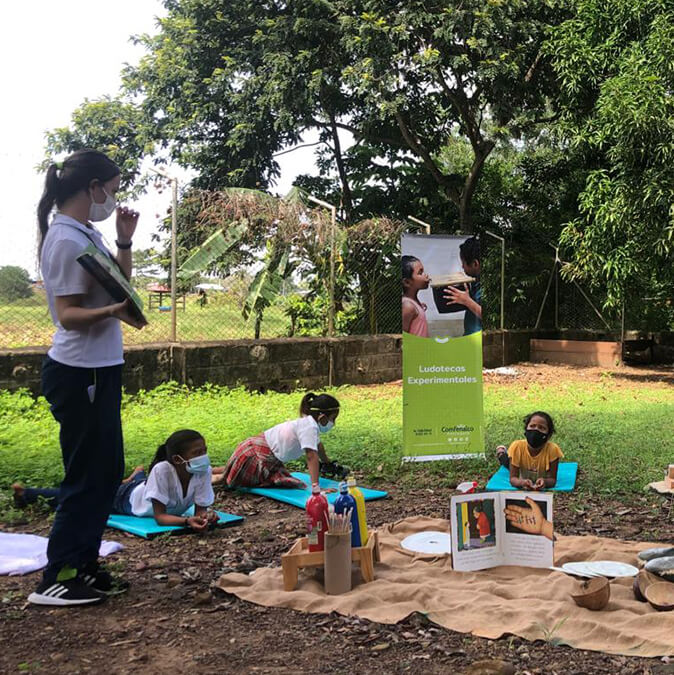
pixel 490 667
pixel 381 647
pixel 204 598
pixel 172 580
pixel 191 574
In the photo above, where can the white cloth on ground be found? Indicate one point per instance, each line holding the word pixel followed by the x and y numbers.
pixel 24 553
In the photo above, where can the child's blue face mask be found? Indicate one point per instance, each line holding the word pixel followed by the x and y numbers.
pixel 200 464
pixel 324 428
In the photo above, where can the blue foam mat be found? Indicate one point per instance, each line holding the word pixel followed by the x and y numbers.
pixel 566 479
pixel 148 527
pixel 299 497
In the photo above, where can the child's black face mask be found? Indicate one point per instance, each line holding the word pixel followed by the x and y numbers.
pixel 535 438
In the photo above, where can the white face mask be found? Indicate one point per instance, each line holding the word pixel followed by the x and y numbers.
pixel 98 212
pixel 200 464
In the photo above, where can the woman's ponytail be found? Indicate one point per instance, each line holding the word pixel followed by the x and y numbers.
pixel 305 404
pixel 46 204
pixel 65 179
pixel 159 456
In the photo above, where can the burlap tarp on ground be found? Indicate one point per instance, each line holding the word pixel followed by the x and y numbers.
pixel 660 487
pixel 531 603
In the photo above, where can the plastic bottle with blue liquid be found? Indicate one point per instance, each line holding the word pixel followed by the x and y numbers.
pixel 342 504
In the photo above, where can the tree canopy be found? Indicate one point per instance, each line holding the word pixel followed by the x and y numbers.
pixel 14 283
pixel 615 65
pixel 548 121
pixel 224 86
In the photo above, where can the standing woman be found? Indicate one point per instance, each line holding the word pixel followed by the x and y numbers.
pixel 81 374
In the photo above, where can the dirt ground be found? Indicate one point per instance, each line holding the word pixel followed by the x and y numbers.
pixel 171 621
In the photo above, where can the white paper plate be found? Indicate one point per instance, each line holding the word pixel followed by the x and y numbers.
pixel 436 543
pixel 602 568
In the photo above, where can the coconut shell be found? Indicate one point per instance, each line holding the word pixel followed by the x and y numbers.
pixel 444 280
pixel 661 596
pixel 641 582
pixel 652 553
pixel 593 594
pixel 663 567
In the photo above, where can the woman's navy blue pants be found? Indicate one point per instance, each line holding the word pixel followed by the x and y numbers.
pixel 93 459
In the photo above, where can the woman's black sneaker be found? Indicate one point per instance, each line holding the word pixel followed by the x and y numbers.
pixel 101 580
pixel 65 593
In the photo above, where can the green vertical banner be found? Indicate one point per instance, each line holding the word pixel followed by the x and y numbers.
pixel 442 348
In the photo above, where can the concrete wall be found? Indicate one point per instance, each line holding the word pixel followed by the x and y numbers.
pixel 285 364
pixel 280 364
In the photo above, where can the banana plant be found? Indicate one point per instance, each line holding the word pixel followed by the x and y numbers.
pixel 267 284
pixel 216 246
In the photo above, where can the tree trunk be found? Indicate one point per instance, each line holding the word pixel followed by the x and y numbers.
pixel 258 325
pixel 466 202
pixel 347 202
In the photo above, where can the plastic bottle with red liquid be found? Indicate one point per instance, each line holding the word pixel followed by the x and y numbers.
pixel 317 518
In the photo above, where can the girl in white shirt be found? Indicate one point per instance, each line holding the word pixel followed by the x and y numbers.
pixel 179 477
pixel 260 460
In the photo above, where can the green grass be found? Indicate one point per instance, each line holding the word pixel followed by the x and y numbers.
pixel 619 432
pixel 26 323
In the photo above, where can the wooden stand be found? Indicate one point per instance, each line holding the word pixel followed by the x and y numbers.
pixel 669 478
pixel 299 556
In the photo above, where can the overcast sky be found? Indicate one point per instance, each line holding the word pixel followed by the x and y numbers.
pixel 53 56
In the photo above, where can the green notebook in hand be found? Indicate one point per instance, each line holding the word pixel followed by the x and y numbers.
pixel 110 276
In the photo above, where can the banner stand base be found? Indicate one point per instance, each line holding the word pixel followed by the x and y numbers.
pixel 434 458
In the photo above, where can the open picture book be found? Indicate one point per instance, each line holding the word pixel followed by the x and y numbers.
pixel 501 528
pixel 108 274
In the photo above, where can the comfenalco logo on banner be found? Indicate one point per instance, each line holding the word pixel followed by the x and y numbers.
pixel 442 398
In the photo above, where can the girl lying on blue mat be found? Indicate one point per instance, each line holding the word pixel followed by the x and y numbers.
pixel 259 461
pixel 179 477
pixel 533 461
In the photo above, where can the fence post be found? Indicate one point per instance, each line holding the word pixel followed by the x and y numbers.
pixel 502 322
pixel 174 247
pixel 174 259
pixel 622 335
pixel 424 225
pixel 331 282
pixel 502 240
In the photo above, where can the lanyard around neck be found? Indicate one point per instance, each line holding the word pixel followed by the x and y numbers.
pixel 102 250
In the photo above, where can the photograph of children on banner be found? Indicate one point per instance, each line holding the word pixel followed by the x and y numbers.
pixel 476 524
pixel 441 292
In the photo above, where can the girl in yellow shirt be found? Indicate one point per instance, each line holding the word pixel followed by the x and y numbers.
pixel 533 461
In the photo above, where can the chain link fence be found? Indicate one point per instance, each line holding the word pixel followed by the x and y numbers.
pixel 284 289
